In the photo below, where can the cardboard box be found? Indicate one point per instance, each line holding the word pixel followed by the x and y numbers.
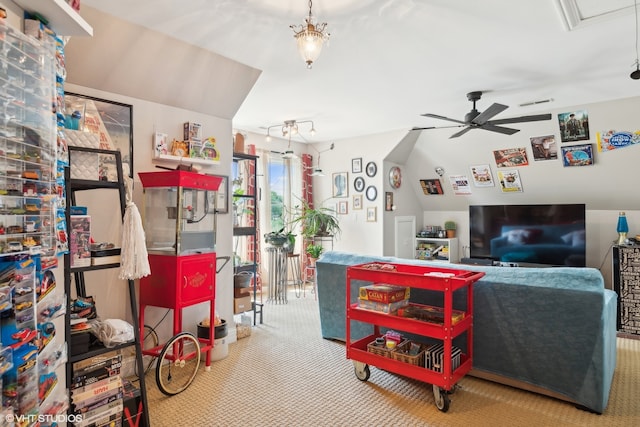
pixel 391 308
pixel 240 305
pixel 241 292
pixel 384 293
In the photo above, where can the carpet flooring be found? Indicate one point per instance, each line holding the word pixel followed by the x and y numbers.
pixel 286 374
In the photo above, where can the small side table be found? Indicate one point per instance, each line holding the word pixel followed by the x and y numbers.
pixel 277 258
pixel 293 263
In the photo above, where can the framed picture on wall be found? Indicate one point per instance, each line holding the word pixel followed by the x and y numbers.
pixel 577 155
pixel 388 201
pixel 342 207
pixel 371 214
pixel 357 202
pixel 574 126
pixel 112 121
pixel 340 187
pixel 356 165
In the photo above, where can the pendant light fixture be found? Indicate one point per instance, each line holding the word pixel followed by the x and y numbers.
pixel 310 37
pixel 635 75
pixel 318 171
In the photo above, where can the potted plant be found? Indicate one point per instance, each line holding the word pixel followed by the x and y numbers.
pixel 314 252
pixel 316 221
pixel 281 238
pixel 450 227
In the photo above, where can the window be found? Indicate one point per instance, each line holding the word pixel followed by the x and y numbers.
pixel 281 189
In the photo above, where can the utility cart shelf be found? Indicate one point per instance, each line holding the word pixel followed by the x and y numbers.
pixel 454 323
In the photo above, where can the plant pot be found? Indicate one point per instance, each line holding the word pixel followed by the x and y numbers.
pixel 451 234
pixel 312 261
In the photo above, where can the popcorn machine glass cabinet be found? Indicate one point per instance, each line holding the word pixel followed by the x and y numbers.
pixel 179 219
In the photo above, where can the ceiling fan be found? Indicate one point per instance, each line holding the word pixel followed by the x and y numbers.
pixel 477 120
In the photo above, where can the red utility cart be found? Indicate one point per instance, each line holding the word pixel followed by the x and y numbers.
pixel 452 323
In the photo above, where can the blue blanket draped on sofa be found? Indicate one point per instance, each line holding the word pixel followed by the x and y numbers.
pixel 553 329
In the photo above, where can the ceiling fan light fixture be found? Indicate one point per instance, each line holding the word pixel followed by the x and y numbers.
pixel 310 38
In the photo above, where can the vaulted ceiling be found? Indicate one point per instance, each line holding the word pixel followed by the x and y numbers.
pixel 389 61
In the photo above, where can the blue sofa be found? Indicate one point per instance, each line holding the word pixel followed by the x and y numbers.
pixel 547 330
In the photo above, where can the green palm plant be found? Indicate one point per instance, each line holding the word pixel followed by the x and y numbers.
pixel 316 221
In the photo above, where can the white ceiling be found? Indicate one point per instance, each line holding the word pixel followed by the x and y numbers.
pixel 389 61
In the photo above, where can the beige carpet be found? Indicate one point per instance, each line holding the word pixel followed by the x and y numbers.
pixel 285 374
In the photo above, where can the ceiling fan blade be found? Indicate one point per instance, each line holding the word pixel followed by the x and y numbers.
pixel 435 116
pixel 499 129
pixel 493 110
pixel 462 132
pixel 436 127
pixel 522 119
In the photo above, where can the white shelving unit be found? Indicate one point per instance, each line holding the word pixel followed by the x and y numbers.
pixel 437 249
pixel 63 19
pixel 192 160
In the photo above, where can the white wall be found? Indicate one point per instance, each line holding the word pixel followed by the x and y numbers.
pixel 607 187
pixel 111 293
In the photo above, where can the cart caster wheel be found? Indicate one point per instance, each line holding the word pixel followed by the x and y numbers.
pixel 361 370
pixel 207 368
pixel 442 398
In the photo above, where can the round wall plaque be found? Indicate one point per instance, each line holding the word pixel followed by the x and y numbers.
pixel 395 177
pixel 372 193
pixel 371 169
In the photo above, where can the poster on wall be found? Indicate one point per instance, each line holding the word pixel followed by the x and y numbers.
pixel 482 176
pixel 544 147
pixel 577 155
pixel 574 126
pixel 431 186
pixel 460 184
pixel 511 157
pixel 612 140
pixel 510 181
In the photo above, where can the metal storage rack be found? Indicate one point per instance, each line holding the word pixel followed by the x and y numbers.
pixel 443 280
pixel 245 168
pixel 73 186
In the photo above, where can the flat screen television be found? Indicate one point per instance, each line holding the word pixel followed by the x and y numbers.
pixel 529 234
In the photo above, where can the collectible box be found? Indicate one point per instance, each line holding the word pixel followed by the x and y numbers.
pixel 384 293
pixel 204 149
pixel 80 240
pixel 192 132
pixel 390 308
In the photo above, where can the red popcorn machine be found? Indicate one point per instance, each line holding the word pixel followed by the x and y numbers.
pixel 180 233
